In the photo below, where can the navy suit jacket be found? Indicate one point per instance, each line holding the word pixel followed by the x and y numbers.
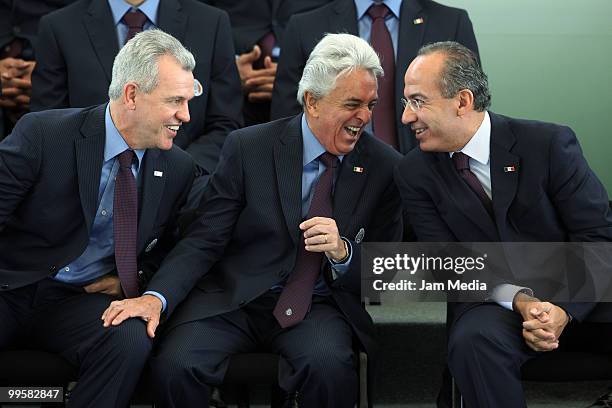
pixel 304 31
pixel 50 170
pixel 247 236
pixel 77 46
pixel 552 197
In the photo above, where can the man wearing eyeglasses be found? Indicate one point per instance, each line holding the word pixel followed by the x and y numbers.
pixel 482 177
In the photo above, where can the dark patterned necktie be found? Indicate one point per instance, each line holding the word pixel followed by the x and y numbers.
pixel 125 215
pixel 295 299
pixel 266 44
pixel 135 21
pixel 384 111
pixel 462 164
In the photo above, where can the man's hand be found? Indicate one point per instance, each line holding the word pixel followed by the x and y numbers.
pixel 147 307
pixel 257 84
pixel 321 235
pixel 109 284
pixel 543 322
pixel 16 79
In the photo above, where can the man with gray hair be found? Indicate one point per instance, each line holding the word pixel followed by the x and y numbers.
pixel 273 261
pixel 482 177
pixel 89 197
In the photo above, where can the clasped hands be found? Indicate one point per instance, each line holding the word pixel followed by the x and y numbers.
pixel 543 322
pixel 16 78
pixel 257 84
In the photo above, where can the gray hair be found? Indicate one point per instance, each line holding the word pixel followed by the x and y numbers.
pixel 137 61
pixel 335 55
pixel 461 70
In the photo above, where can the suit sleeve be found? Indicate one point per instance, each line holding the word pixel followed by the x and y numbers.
pixel 465 33
pixel 209 234
pixel 20 158
pixel 224 105
pixel 289 72
pixel 582 203
pixel 50 77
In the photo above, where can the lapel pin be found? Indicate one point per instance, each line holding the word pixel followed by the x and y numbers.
pixel 359 236
pixel 509 169
pixel 158 173
pixel 151 245
pixel 418 21
pixel 358 169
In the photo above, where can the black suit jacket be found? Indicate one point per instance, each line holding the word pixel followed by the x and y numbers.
pixel 50 170
pixel 304 31
pixel 252 19
pixel 553 196
pixel 77 46
pixel 247 236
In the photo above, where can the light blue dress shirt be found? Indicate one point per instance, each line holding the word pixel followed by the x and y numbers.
pixel 392 21
pixel 120 7
pixel 99 257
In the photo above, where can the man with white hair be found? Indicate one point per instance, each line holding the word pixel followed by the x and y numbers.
pixel 86 196
pixel 273 261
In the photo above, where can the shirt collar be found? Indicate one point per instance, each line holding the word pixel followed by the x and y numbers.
pixel 312 147
pixel 479 146
pixel 120 7
pixel 363 6
pixel 114 143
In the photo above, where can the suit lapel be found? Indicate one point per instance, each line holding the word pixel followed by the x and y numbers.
pixel 505 168
pixel 99 25
pixel 151 194
pixel 288 152
pixel 349 186
pixel 463 197
pixel 89 159
pixel 344 18
pixel 409 41
pixel 171 19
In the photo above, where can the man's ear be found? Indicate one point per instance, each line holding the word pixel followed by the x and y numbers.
pixel 311 105
pixel 129 95
pixel 466 102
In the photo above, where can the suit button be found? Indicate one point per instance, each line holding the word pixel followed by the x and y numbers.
pixel 4 286
pixel 140 273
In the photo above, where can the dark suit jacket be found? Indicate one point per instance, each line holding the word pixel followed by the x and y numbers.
pixel 77 46
pixel 252 19
pixel 50 170
pixel 247 236
pixel 304 31
pixel 552 197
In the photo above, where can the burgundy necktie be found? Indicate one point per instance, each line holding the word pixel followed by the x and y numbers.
pixel 125 215
pixel 266 44
pixel 295 299
pixel 462 164
pixel 384 111
pixel 135 21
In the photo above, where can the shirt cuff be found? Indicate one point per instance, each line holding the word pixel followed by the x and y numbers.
pixel 159 296
pixel 504 294
pixel 339 269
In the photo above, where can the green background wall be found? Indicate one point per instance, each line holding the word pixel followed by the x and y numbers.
pixel 551 60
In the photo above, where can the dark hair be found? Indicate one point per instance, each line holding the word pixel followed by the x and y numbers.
pixel 461 71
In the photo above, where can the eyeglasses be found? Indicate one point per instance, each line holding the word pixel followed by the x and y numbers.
pixel 415 105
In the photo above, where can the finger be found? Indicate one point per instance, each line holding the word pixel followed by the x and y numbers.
pixel 268 64
pixel 21 83
pixel 113 312
pixel 318 239
pixel 7 104
pixel 313 221
pixel 252 55
pixel 152 326
pixel 11 92
pixel 260 96
pixel 543 335
pixel 121 317
pixel 260 81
